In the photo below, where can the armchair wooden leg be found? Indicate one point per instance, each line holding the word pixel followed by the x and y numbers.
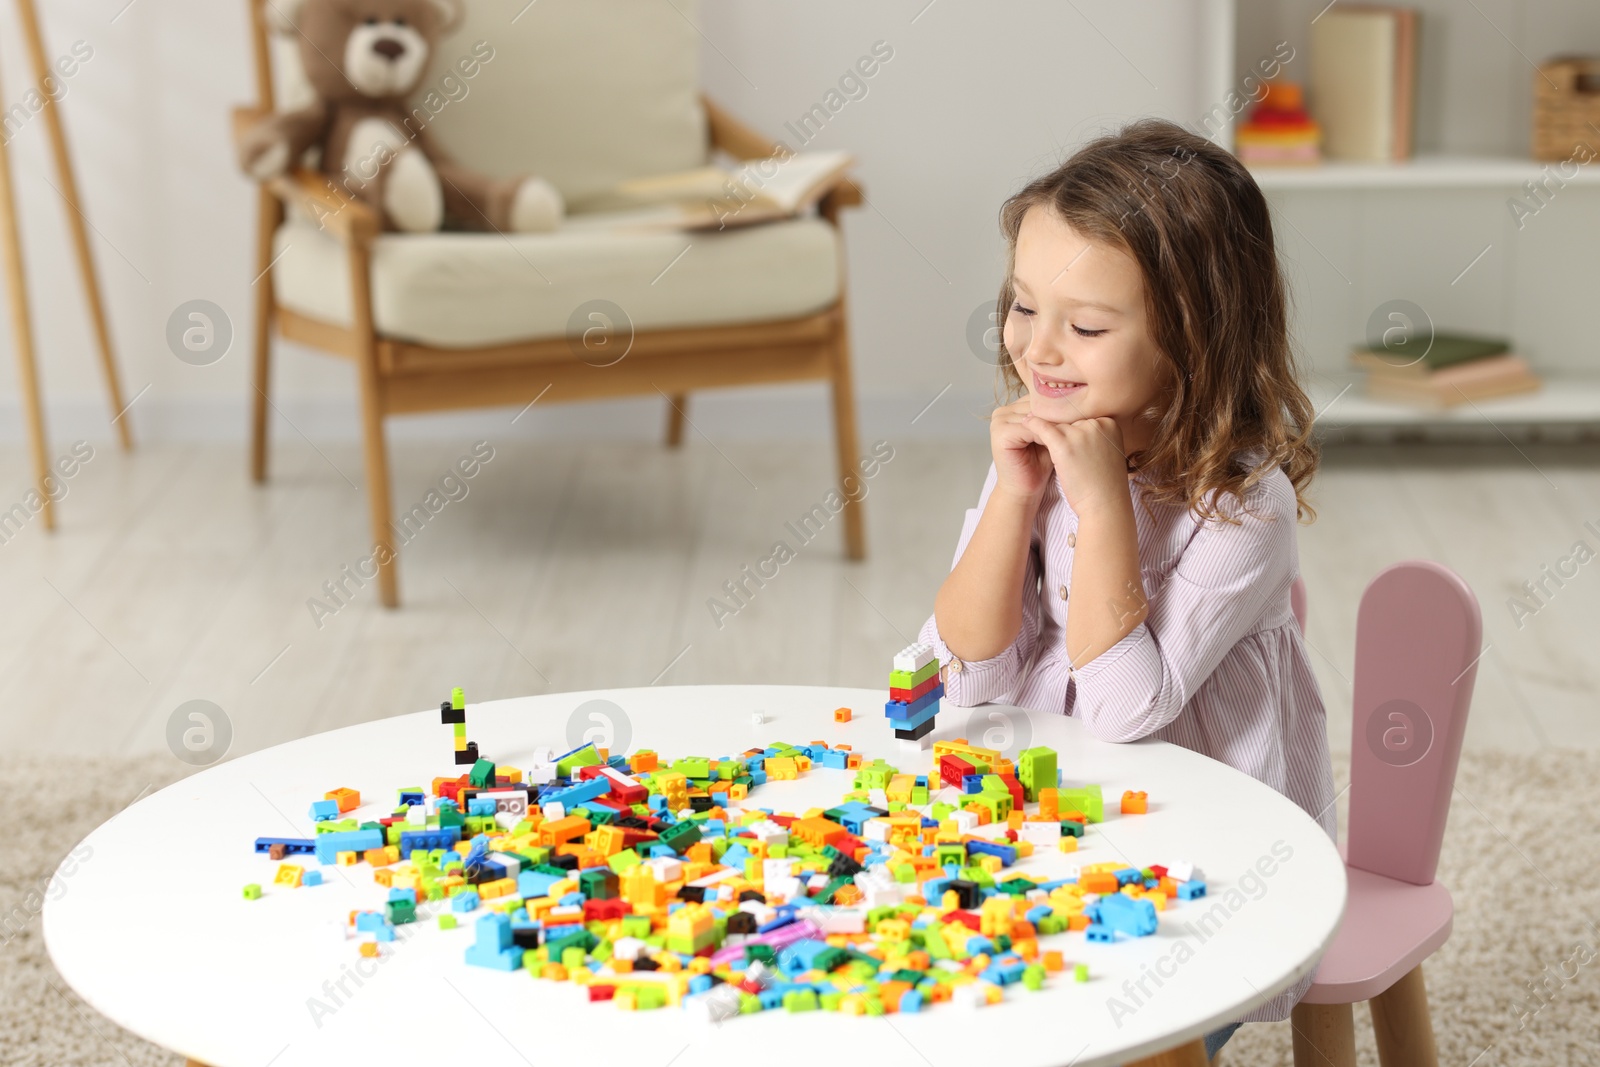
pixel 372 411
pixel 1191 1055
pixel 1324 1035
pixel 22 334
pixel 1402 1025
pixel 29 18
pixel 676 409
pixel 269 215
pixel 844 429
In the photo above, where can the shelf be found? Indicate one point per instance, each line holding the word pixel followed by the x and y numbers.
pixel 1424 172
pixel 1570 400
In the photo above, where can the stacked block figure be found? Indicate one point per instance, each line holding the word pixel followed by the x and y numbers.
pixel 453 713
pixel 914 692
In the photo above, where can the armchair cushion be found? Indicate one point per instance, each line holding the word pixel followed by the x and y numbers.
pixel 461 290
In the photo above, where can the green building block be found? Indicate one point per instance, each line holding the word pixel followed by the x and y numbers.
pixel 1036 770
pixel 252 891
pixel 458 699
pixel 400 912
pixel 800 1000
pixel 447 922
pixel 1080 973
pixel 1086 800
pixel 1033 977
pixel 587 756
pixel 482 776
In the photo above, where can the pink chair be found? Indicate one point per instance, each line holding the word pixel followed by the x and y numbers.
pixel 1418 638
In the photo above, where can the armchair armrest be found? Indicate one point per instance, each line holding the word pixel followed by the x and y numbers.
pixel 742 143
pixel 352 220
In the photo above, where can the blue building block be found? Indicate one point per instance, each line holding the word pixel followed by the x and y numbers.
pixel 1120 912
pixel 909 716
pixel 494 948
pixel 577 794
pixel 1007 853
pixel 311 877
pixel 427 840
pixel 1191 890
pixel 467 900
pixel 408 797
pixel 971 783
pixel 329 846
pixel 796 958
pixel 323 810
pixel 407 895
pixel 292 846
pixel 1098 932
pixel 536 883
pixel 899 709
pixel 835 759
pixel 481 806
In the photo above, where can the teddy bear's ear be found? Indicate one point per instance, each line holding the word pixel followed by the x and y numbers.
pixel 451 14
pixel 282 15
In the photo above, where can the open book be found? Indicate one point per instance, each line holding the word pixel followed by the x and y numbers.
pixel 716 198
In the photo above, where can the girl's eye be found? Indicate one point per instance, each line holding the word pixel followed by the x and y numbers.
pixel 1018 307
pixel 1081 332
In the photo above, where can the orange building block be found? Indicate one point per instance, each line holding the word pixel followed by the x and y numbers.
pixel 1135 802
pixel 347 799
pixel 1098 882
pixel 841 714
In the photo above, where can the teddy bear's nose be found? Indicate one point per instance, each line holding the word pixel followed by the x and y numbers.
pixel 389 48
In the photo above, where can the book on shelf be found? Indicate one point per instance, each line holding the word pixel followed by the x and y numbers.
pixel 1363 81
pixel 716 197
pixel 1441 351
pixel 1503 375
pixel 1453 369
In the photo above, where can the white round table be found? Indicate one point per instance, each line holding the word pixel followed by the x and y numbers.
pixel 155 933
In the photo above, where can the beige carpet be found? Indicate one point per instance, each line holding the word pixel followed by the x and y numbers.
pixel 1518 857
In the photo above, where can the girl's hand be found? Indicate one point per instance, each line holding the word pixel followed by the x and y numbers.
pixel 1022 462
pixel 1090 466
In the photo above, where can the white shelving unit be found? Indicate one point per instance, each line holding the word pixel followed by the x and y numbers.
pixel 1425 172
pixel 1460 46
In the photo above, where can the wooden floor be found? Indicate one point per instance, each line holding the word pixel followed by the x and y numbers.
pixel 571 567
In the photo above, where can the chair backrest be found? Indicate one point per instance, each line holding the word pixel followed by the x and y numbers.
pixel 1297 601
pixel 1418 634
pixel 587 93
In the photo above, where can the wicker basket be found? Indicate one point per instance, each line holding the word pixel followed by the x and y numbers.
pixel 1566 107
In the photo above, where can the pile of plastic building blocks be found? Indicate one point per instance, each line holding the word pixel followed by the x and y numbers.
pixel 650 883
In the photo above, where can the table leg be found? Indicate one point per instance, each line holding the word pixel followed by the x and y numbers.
pixel 1191 1055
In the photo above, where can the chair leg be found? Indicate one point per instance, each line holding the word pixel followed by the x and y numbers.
pixel 677 407
pixel 372 410
pixel 269 215
pixel 1402 1025
pixel 844 429
pixel 1191 1055
pixel 1324 1035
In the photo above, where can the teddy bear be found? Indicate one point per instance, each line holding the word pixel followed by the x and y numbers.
pixel 364 58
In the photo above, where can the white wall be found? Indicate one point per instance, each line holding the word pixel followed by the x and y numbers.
pixel 977 99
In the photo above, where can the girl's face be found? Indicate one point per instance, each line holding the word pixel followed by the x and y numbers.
pixel 1076 330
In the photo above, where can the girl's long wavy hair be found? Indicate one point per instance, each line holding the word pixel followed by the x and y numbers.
pixel 1193 218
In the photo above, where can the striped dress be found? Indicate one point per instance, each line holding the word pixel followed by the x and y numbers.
pixel 1218 666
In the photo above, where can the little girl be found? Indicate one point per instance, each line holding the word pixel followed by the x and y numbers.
pixel 1131 555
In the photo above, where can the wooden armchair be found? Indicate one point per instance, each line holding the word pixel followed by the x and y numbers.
pixel 760 304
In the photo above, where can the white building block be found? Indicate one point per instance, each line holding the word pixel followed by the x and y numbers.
pixel 665 868
pixel 913 657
